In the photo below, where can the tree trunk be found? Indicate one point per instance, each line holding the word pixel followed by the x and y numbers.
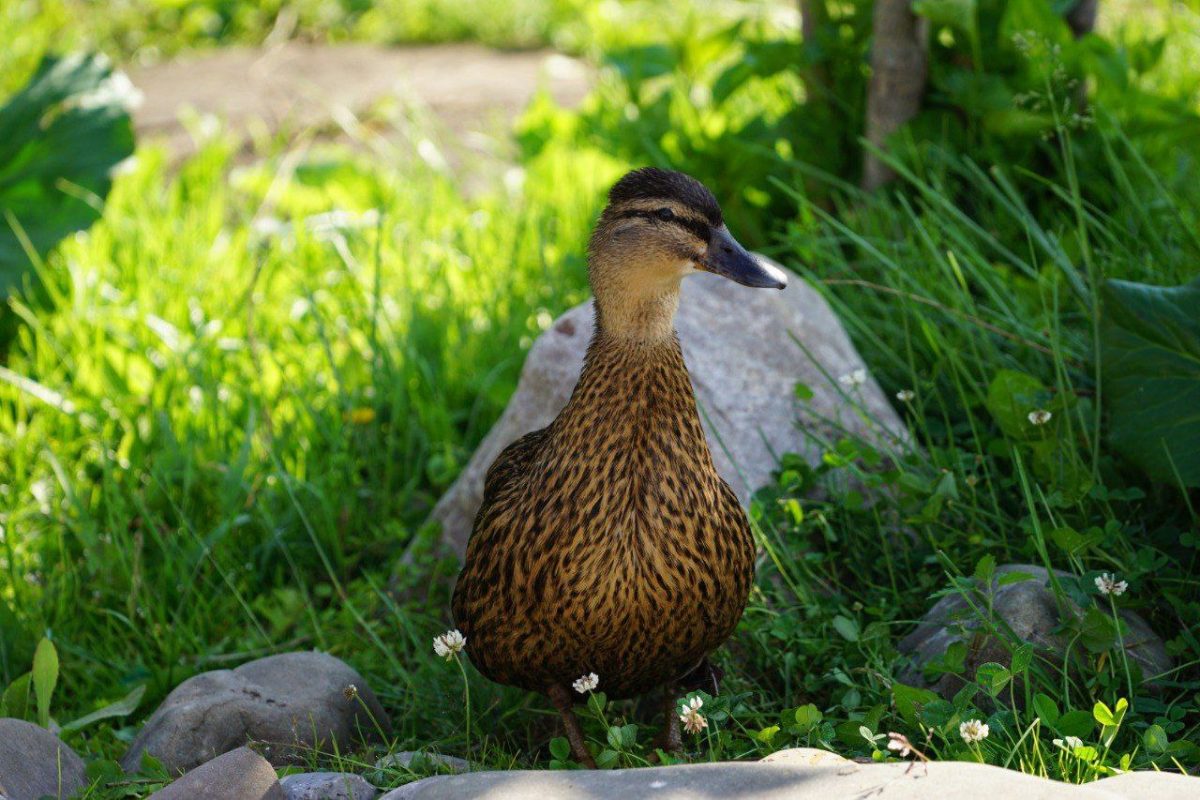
pixel 1082 18
pixel 899 68
pixel 813 18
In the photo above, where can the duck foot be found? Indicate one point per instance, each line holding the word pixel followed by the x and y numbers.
pixel 562 701
pixel 670 737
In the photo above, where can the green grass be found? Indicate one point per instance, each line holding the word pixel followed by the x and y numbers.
pixel 253 380
pixel 226 431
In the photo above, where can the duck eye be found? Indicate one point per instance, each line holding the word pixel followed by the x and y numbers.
pixel 665 214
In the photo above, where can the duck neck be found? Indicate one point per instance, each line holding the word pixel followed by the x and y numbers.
pixel 637 315
pixel 639 387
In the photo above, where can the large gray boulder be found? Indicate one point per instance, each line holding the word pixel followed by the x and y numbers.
pixel 746 350
pixel 290 704
pixel 1030 610
pixel 34 763
pixel 787 779
pixel 240 774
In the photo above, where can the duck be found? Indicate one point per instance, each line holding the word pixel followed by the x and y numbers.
pixel 606 543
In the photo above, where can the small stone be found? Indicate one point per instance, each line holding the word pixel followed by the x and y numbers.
pixel 419 761
pixel 746 350
pixel 1030 609
pixel 291 703
pixel 240 774
pixel 32 759
pixel 327 786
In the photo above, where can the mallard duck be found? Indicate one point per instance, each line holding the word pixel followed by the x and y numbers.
pixel 606 542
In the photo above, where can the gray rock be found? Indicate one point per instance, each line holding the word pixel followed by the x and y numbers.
pixel 34 762
pixel 327 786
pixel 787 780
pixel 415 760
pixel 290 703
pixel 746 350
pixel 240 774
pixel 805 757
pixel 1030 610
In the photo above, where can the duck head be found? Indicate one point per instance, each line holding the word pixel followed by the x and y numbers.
pixel 659 227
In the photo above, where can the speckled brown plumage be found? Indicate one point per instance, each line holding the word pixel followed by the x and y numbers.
pixel 607 542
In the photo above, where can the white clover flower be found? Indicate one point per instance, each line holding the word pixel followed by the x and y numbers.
pixel 449 644
pixel 689 714
pixel 1039 417
pixel 973 730
pixel 1068 742
pixel 906 395
pixel 856 378
pixel 899 744
pixel 586 683
pixel 1108 584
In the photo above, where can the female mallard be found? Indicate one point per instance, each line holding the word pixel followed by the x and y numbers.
pixel 607 542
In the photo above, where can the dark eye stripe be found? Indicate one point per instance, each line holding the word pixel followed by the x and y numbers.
pixel 697 228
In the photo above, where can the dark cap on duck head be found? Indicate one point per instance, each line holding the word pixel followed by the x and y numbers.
pixel 685 210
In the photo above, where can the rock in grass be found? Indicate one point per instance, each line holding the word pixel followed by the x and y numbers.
pixel 787 780
pixel 34 763
pixel 290 703
pixel 419 761
pixel 327 786
pixel 1030 609
pixel 746 350
pixel 240 774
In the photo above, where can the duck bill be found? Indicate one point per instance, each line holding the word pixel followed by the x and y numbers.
pixel 727 258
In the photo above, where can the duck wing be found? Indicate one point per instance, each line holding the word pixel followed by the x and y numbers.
pixel 512 463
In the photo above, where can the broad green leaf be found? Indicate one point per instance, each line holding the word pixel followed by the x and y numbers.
pixel 122 708
pixel 1103 714
pixel 1155 740
pixel 1098 631
pixel 45 677
pixel 1150 346
pixel 985 569
pixel 767 734
pixel 60 137
pixel 937 713
pixel 1046 709
pixel 15 702
pixel 808 716
pixel 1022 658
pixel 1069 539
pixel 992 677
pixel 965 695
pixel 1076 723
pixel 560 748
pixel 910 700
pixel 1011 397
pixel 870 736
pixel 1015 576
pixel 596 703
pixel 847 627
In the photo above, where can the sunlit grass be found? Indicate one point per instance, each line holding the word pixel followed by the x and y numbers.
pixel 264 376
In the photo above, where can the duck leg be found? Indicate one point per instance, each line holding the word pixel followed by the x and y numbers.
pixel 562 701
pixel 670 737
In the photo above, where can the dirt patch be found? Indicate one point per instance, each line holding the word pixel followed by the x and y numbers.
pixel 294 85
